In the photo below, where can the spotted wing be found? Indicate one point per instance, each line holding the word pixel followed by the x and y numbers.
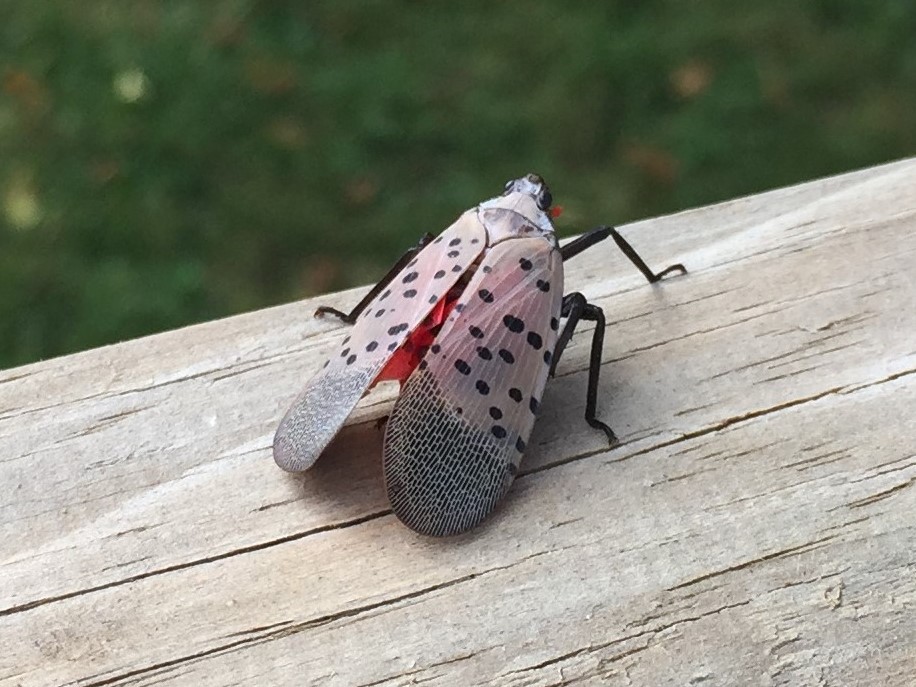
pixel 456 435
pixel 330 396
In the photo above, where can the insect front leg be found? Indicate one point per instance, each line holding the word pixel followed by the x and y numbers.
pixel 350 317
pixel 576 308
pixel 587 240
pixel 641 265
pixel 590 238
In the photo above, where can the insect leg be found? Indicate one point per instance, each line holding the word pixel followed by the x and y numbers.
pixel 350 317
pixel 587 240
pixel 575 308
pixel 590 238
pixel 641 265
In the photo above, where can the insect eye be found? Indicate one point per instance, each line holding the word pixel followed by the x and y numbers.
pixel 508 186
pixel 545 200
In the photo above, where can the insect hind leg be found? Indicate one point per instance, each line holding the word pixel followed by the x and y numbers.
pixel 350 317
pixel 575 309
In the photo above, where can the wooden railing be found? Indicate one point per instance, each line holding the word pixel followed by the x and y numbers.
pixel 756 525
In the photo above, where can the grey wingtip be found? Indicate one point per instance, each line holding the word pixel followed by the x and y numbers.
pixel 288 454
pixel 317 415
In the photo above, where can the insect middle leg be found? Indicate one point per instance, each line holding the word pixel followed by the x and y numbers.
pixel 576 308
pixel 350 317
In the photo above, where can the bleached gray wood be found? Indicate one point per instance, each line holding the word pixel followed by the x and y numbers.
pixel 755 527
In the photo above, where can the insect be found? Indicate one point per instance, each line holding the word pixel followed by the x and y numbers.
pixel 471 323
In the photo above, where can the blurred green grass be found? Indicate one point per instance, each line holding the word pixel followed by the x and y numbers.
pixel 165 162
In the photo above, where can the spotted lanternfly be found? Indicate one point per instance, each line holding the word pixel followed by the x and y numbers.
pixel 471 324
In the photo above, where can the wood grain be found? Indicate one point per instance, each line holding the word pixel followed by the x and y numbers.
pixel 755 526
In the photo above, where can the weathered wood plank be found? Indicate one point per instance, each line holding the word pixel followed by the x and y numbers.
pixel 754 527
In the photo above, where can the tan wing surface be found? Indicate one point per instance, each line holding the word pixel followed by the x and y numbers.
pixel 458 430
pixel 331 395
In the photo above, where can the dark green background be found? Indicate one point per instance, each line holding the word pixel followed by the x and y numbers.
pixel 276 149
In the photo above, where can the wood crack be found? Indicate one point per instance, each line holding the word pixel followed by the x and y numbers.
pixel 790 551
pixel 416 671
pixel 881 495
pixel 12 610
pixel 710 429
pixel 288 628
pixel 648 634
pixel 142 389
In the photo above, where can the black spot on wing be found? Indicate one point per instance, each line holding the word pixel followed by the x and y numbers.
pixel 513 324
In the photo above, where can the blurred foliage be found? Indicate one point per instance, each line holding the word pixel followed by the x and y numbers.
pixel 164 162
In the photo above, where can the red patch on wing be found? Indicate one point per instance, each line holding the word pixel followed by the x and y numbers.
pixel 405 359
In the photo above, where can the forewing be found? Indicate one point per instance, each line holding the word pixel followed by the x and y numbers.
pixel 330 396
pixel 458 430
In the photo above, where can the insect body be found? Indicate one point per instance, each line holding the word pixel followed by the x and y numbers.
pixel 470 324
